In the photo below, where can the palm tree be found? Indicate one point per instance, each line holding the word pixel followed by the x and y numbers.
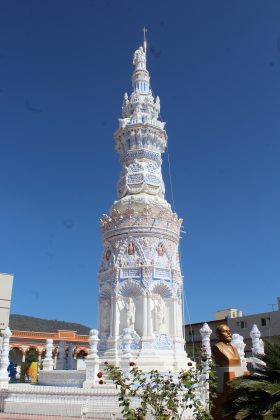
pixel 257 396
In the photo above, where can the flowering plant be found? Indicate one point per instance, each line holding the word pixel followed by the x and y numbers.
pixel 164 396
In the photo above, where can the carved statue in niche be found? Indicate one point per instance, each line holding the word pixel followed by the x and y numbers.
pixel 159 313
pixel 130 313
pixel 107 260
pixel 131 248
pixel 160 257
pixel 106 309
pixel 160 250
pixel 132 257
pixel 108 254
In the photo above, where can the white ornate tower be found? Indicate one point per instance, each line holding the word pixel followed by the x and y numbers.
pixel 140 282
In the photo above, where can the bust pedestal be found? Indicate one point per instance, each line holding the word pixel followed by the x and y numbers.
pixel 225 374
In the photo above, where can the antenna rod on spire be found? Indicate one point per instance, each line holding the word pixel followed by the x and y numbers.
pixel 145 42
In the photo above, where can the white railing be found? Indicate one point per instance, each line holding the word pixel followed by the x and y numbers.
pixel 38 407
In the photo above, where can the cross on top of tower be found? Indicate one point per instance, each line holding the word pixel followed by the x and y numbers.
pixel 145 42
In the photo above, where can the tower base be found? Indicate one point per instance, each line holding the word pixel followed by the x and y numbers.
pixel 149 358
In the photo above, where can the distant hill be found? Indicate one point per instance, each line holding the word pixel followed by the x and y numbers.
pixel 30 323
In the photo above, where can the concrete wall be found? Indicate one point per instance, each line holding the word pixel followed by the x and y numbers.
pixel 227 313
pixel 267 322
pixel 6 286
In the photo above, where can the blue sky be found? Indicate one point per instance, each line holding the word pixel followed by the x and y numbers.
pixel 64 67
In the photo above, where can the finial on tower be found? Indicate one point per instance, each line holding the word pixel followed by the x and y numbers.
pixel 145 41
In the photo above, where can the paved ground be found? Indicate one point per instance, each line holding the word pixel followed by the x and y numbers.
pixel 4 416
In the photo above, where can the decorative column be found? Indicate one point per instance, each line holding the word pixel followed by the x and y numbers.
pixel 48 362
pixel 4 358
pixel 174 316
pixel 149 316
pixel 145 325
pixel 23 356
pixel 113 339
pixel 112 316
pixel 147 338
pixel 116 320
pixel 257 343
pixel 61 362
pixel 205 333
pixel 92 361
pixel 238 342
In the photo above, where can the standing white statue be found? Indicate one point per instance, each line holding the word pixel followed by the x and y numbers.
pixel 159 314
pixel 238 342
pixel 130 313
pixel 257 342
pixel 139 59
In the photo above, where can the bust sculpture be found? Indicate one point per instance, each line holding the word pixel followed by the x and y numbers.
pixel 224 353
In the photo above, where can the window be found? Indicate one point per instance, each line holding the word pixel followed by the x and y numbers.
pixel 263 322
pixel 238 323
pixel 243 324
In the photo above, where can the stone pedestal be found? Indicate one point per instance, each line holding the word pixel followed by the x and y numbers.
pixel 92 369
pixel 48 364
pixel 225 374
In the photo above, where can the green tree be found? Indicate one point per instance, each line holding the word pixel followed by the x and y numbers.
pixel 257 396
